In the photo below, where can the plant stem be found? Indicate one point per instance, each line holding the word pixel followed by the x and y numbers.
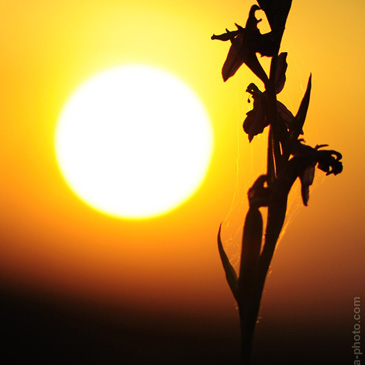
pixel 247 325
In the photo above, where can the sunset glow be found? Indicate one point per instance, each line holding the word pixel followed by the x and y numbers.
pixel 124 214
pixel 134 141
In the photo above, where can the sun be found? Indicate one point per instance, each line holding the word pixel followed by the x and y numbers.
pixel 134 142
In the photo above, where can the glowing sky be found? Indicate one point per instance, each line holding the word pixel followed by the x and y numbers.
pixel 51 240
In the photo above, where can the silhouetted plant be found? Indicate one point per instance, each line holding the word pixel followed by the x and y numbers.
pixel 288 158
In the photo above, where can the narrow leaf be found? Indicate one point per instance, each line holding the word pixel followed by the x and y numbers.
pixel 228 268
pixel 251 247
pixel 270 160
pixel 298 122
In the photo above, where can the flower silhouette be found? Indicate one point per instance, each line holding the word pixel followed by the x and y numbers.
pixel 258 118
pixel 308 158
pixel 246 42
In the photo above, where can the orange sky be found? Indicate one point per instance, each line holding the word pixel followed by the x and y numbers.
pixel 51 240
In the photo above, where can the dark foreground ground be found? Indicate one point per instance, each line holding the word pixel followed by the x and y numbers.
pixel 38 328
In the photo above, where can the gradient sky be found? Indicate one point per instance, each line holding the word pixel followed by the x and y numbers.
pixel 53 243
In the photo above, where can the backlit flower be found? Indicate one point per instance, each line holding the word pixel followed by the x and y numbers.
pixel 308 157
pixel 246 42
pixel 258 118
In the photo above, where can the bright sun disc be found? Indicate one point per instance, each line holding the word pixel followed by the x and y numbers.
pixel 134 142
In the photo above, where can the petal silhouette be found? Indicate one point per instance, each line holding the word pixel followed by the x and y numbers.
pixel 280 76
pixel 306 178
pixel 285 114
pixel 256 119
pixel 235 57
pixel 305 160
pixel 329 162
pixel 226 36
pixel 258 194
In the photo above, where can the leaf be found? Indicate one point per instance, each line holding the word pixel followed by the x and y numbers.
pixel 298 122
pixel 270 160
pixel 228 268
pixel 251 248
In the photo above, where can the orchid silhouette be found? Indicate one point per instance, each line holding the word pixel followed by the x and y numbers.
pixel 288 158
pixel 248 41
pixel 257 119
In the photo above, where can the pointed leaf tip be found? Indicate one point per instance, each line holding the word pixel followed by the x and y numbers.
pixel 297 125
pixel 228 268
